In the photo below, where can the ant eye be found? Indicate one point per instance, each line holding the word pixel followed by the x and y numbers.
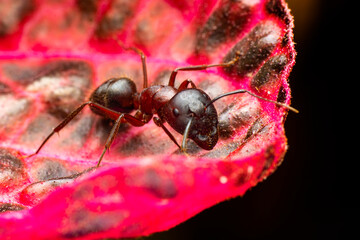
pixel 176 112
pixel 213 131
pixel 202 137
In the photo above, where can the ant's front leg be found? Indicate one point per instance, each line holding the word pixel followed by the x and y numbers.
pixel 159 123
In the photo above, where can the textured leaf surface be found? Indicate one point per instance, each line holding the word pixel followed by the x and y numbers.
pixel 54 53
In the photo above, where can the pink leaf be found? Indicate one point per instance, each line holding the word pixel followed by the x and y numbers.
pixel 53 54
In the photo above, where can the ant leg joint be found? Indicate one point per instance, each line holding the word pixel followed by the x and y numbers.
pixel 157 121
pixel 185 84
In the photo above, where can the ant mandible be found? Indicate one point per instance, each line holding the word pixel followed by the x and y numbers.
pixel 189 111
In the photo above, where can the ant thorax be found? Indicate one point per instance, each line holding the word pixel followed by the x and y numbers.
pixel 151 99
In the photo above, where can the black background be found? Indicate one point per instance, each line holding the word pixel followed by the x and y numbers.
pixel 313 194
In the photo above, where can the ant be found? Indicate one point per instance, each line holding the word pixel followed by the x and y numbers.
pixel 189 111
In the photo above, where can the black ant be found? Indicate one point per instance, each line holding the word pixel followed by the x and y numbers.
pixel 189 111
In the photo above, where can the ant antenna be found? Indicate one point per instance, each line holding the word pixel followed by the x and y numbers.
pixel 254 95
pixel 186 133
pixel 237 57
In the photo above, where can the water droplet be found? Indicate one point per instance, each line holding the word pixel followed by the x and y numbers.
pixel 223 179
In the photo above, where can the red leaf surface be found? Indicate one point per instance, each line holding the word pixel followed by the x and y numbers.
pixel 54 53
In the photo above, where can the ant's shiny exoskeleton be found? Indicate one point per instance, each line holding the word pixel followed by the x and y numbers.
pixel 189 111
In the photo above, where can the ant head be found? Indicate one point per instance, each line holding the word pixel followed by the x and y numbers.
pixel 187 104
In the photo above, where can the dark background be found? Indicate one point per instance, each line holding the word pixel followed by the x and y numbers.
pixel 313 194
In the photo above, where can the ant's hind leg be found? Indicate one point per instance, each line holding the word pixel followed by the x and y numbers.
pixel 143 60
pixel 143 63
pixel 61 125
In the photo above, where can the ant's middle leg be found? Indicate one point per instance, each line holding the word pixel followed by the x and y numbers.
pixel 201 67
pixel 111 137
pixel 130 119
pixel 185 84
pixel 143 60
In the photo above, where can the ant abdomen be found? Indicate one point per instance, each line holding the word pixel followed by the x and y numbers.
pixel 191 104
pixel 116 94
